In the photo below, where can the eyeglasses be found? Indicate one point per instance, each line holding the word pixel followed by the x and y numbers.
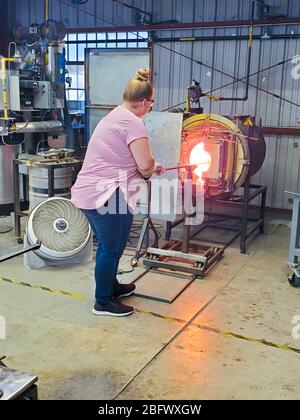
pixel 150 100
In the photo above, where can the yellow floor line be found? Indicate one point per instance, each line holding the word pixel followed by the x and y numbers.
pixel 47 289
pixel 250 339
pixel 156 315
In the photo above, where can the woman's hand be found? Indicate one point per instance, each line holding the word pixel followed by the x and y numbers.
pixel 159 169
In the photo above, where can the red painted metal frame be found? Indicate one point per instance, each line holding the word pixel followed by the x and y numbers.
pixel 284 131
pixel 190 25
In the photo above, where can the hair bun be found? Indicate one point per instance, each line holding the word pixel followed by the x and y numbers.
pixel 143 75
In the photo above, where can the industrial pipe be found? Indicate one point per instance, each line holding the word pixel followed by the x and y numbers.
pixel 46 10
pixel 38 126
pixel 4 84
pixel 250 43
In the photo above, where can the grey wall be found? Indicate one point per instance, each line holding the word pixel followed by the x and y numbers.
pixel 173 73
pixel 29 11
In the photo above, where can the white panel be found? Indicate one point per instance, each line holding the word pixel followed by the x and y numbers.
pixel 164 131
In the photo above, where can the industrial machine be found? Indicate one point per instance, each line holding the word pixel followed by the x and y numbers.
pixel 32 98
pixel 33 77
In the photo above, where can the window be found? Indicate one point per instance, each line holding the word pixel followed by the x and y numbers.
pixel 75 50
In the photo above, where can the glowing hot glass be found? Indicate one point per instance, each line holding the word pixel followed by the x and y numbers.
pixel 201 158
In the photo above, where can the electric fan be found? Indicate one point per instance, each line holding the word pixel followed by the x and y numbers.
pixel 63 231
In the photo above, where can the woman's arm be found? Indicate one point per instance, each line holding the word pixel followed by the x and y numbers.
pixel 142 154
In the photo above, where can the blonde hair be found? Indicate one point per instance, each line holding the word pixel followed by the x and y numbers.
pixel 139 87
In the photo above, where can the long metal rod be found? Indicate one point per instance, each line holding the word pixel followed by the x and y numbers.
pixel 192 167
pixel 19 252
pixel 17 203
pixel 176 254
pixel 207 38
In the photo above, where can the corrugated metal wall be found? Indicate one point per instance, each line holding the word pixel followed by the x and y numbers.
pixel 111 12
pixel 174 72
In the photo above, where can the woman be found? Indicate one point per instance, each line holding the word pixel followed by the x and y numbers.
pixel 118 156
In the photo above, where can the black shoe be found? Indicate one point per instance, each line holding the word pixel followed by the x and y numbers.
pixel 124 290
pixel 113 308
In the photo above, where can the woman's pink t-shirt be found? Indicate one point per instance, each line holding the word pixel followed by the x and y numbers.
pixel 109 163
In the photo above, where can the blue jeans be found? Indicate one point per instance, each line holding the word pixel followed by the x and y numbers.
pixel 112 232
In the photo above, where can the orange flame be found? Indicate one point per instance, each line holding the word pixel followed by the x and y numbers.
pixel 201 158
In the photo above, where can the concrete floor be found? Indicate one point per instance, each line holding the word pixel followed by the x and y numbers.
pixel 218 355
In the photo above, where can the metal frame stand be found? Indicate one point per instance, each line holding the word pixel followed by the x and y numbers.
pixel 294 252
pixel 211 252
pixel 166 257
pixel 195 256
pixel 51 166
pixel 251 191
pixel 178 256
pixel 147 224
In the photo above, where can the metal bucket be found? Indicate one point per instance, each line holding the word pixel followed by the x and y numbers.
pixel 38 184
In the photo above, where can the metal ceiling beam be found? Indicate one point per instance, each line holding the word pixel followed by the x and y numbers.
pixel 191 25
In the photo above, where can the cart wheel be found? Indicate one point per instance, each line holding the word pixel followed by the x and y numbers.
pixel 20 240
pixel 134 262
pixel 294 280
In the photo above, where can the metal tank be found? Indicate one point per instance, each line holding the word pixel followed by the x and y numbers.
pixel 7 155
pixel 38 184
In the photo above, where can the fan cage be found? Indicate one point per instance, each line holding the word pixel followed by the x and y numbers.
pixel 58 245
